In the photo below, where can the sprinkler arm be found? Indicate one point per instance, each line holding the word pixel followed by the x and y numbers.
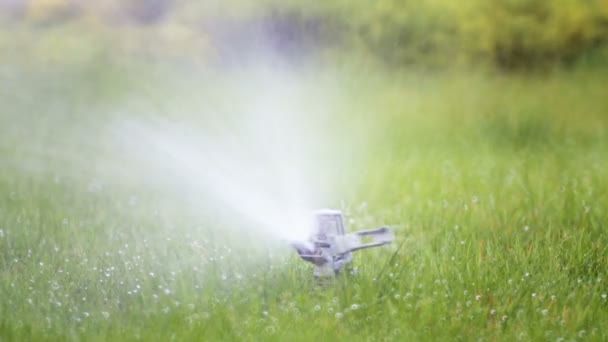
pixel 342 244
pixel 354 241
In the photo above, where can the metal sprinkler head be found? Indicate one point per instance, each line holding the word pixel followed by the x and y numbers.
pixel 330 248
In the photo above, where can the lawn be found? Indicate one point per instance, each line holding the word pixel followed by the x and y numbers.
pixel 495 185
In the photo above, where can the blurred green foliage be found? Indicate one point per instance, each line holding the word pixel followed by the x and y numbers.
pixel 508 34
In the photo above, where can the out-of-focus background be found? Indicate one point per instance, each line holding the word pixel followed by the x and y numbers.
pixel 505 34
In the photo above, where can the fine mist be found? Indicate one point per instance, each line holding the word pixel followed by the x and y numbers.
pixel 268 161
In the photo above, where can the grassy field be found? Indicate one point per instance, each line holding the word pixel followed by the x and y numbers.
pixel 496 187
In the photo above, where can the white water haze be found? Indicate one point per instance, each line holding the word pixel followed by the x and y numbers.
pixel 270 163
pixel 262 145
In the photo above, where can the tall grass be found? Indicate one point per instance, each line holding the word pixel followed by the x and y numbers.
pixel 495 185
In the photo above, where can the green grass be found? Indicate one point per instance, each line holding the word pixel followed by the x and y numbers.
pixel 496 187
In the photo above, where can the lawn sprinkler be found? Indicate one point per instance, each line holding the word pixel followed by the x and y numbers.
pixel 330 248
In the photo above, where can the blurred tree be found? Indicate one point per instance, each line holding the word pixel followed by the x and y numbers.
pixel 148 11
pixel 47 12
pixel 508 34
pixel 12 9
pixel 291 34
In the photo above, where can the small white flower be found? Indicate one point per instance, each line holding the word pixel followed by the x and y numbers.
pixel 604 296
pixel 354 306
pixel 544 312
pixel 526 228
pixel 534 295
pixel 317 307
pixel 477 297
pixel 339 315
pixel 105 314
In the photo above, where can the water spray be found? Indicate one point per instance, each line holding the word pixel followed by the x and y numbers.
pixel 330 248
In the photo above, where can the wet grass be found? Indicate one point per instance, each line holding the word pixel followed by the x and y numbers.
pixel 496 188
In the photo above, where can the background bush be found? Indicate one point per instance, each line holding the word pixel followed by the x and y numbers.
pixel 508 34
